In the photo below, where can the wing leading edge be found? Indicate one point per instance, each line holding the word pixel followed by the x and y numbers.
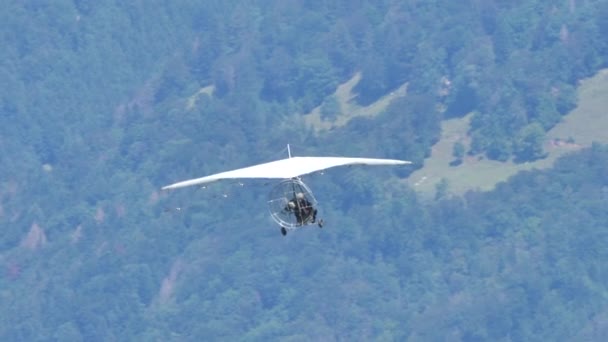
pixel 286 168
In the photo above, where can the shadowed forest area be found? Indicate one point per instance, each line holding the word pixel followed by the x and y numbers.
pixel 104 102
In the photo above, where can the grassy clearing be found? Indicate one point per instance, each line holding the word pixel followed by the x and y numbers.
pixel 584 125
pixel 349 109
pixel 191 102
pixel 589 121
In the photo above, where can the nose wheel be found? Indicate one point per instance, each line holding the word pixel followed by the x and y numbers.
pixel 283 231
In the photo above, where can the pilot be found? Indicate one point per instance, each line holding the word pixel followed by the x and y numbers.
pixel 302 208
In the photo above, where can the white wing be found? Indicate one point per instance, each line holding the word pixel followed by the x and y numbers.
pixel 287 168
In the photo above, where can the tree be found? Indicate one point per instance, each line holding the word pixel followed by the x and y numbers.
pixel 441 188
pixel 458 151
pixel 529 143
pixel 330 109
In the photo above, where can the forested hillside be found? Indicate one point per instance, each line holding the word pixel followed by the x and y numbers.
pixel 103 102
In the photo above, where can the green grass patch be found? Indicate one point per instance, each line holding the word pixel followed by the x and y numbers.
pixel 348 108
pixel 191 102
pixel 584 125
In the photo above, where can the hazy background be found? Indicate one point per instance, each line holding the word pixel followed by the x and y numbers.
pixel 104 102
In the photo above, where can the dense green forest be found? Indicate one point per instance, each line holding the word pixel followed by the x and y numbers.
pixel 103 102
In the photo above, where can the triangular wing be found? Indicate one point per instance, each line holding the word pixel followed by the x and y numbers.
pixel 286 168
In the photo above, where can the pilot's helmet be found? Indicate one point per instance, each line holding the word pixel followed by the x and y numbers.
pixel 300 195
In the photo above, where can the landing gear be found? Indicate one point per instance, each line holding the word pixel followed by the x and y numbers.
pixel 320 223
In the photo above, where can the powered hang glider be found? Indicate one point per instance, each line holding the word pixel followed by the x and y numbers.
pixel 291 203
